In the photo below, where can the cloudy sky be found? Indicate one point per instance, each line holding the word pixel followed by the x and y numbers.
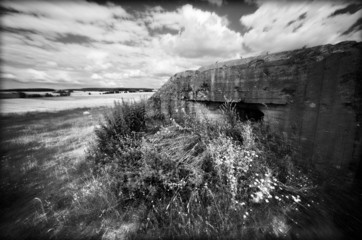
pixel 66 44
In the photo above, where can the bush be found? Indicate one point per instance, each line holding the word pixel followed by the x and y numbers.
pixel 204 179
pixel 118 138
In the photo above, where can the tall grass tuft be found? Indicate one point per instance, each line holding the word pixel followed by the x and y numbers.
pixel 118 138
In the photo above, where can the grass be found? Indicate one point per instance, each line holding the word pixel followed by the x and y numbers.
pixel 121 174
pixel 41 154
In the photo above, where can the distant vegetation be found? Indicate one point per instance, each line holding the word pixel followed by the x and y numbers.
pixel 28 90
pixel 114 90
pixel 48 92
pixel 77 89
pixel 34 94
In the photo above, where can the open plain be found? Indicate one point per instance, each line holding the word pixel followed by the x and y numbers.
pixel 76 100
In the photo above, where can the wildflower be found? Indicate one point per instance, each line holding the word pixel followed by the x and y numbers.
pixel 296 199
pixel 257 197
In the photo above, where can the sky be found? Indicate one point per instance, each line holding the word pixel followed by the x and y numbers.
pixel 74 44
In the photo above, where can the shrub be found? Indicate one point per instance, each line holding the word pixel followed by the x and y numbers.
pixel 195 179
pixel 118 138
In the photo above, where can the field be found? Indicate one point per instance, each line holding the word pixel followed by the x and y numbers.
pixel 76 100
pixel 63 176
pixel 43 144
pixel 39 152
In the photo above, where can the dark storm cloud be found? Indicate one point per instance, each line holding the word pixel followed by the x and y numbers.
pixel 73 38
pixel 301 17
pixel 357 26
pixel 350 9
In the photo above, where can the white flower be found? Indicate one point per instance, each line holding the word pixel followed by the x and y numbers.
pixel 257 197
pixel 296 199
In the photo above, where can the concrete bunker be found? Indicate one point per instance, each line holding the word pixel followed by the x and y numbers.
pixel 310 95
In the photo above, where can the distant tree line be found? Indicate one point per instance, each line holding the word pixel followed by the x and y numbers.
pixel 114 90
pixel 39 92
pixel 28 90
pixel 33 93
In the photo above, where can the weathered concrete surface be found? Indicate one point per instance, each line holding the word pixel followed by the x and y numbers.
pixel 312 94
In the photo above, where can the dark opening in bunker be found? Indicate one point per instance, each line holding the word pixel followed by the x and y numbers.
pixel 249 111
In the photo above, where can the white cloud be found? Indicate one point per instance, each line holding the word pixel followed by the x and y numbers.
pixel 51 64
pixel 97 56
pixel 69 10
pixel 201 33
pixel 102 23
pixel 157 18
pixel 113 75
pixel 142 49
pixel 8 75
pixel 62 76
pixel 37 75
pixel 48 76
pixel 98 59
pixel 279 26
pixel 96 76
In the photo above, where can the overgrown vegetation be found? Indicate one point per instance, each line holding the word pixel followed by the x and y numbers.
pixel 147 177
pixel 202 179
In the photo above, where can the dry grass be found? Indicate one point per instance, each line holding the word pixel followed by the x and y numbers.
pixel 42 157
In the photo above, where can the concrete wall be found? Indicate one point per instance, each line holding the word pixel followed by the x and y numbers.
pixel 312 94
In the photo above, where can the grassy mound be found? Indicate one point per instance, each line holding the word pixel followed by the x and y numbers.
pixel 202 179
pixel 147 177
